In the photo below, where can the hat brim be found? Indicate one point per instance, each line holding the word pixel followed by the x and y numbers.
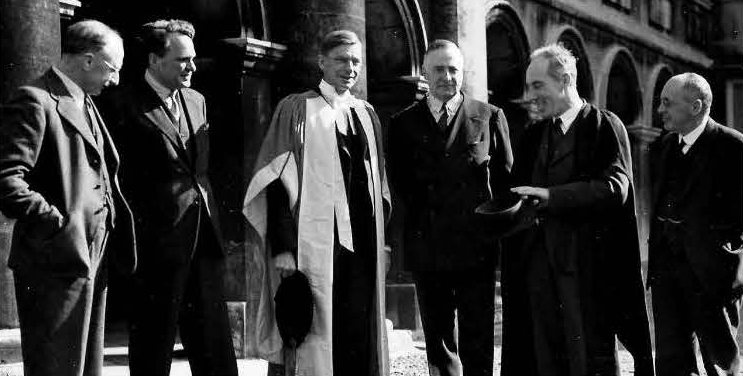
pixel 506 216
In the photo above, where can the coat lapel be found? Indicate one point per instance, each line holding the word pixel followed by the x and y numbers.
pixel 154 109
pixel 467 122
pixel 68 109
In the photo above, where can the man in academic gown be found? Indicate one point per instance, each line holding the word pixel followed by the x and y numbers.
pixel 318 201
pixel 572 281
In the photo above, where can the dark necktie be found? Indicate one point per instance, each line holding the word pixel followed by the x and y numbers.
pixel 555 136
pixel 444 119
pixel 92 118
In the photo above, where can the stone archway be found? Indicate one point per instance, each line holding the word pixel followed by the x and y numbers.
pixel 622 93
pixel 507 59
pixel 658 78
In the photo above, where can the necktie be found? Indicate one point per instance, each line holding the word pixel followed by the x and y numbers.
pixel 681 145
pixel 173 106
pixel 555 134
pixel 444 119
pixel 92 119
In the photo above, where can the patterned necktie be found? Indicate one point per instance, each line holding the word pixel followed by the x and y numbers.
pixel 92 119
pixel 444 119
pixel 173 106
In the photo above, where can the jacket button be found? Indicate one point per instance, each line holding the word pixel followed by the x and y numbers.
pixel 196 202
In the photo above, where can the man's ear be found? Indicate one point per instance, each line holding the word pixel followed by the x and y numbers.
pixel 696 106
pixel 566 79
pixel 87 61
pixel 152 59
pixel 321 62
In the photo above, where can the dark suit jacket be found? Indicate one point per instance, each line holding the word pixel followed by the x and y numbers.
pixel 441 187
pixel 589 229
pixel 49 168
pixel 711 209
pixel 168 188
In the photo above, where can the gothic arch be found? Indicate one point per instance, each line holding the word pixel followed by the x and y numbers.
pixel 507 54
pixel 658 77
pixel 619 88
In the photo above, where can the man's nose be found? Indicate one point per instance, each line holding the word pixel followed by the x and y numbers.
pixel 191 66
pixel 114 79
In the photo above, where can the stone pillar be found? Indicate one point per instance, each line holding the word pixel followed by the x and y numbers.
pixel 240 135
pixel 30 36
pixel 641 137
pixel 310 21
pixel 463 22
pixel 727 71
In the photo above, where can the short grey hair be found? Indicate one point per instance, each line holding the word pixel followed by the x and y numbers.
pixel 441 44
pixel 337 38
pixel 88 36
pixel 696 87
pixel 560 61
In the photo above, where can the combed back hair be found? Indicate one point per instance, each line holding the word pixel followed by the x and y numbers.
pixel 88 36
pixel 560 61
pixel 337 38
pixel 696 87
pixel 440 44
pixel 154 35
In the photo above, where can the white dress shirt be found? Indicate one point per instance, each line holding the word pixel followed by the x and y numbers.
pixel 452 105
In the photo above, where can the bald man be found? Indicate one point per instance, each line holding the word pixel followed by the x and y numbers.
pixel 695 271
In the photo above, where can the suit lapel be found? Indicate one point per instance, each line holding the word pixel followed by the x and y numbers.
pixel 465 123
pixel 154 109
pixel 68 109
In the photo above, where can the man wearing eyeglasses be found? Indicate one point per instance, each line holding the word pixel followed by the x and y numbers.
pixel 58 179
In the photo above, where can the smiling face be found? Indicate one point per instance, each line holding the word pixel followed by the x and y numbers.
pixel 548 94
pixel 677 110
pixel 175 68
pixel 443 71
pixel 341 66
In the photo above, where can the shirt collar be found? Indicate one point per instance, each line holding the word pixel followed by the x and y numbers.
pixel 452 105
pixel 691 137
pixel 163 92
pixel 568 117
pixel 77 93
pixel 332 96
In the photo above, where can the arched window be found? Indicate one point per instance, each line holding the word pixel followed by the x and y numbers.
pixel 664 74
pixel 623 95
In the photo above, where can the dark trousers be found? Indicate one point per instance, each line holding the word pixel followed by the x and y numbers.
pixel 353 312
pixel 566 342
pixel 62 318
pixel 682 309
pixel 458 314
pixel 188 298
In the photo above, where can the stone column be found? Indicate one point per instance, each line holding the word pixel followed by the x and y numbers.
pixel 641 137
pixel 463 22
pixel 247 105
pixel 310 21
pixel 30 39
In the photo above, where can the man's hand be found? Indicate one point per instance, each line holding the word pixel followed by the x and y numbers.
pixel 285 264
pixel 535 195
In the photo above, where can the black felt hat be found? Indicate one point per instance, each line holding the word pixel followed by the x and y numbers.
pixel 506 214
pixel 294 308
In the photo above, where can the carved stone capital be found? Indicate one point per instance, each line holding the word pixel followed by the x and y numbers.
pixel 643 134
pixel 257 55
